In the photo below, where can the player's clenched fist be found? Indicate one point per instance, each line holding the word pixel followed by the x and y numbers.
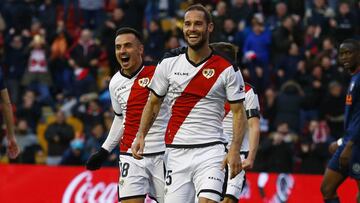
pixel 95 161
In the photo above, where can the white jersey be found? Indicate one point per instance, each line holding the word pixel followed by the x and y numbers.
pixel 128 97
pixel 196 93
pixel 252 108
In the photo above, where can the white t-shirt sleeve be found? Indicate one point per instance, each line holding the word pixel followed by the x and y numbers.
pixel 115 104
pixel 234 85
pixel 251 104
pixel 251 101
pixel 115 134
pixel 160 82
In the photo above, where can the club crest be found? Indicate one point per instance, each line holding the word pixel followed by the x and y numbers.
pixel 208 73
pixel 143 82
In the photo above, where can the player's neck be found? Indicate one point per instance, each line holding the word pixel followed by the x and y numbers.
pixel 197 56
pixel 131 71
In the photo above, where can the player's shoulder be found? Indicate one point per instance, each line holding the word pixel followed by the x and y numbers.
pixel 115 79
pixel 173 53
pixel 150 64
pixel 249 88
pixel 225 60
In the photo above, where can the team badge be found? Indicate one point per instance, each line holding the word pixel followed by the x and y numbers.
pixel 356 168
pixel 143 82
pixel 208 73
pixel 121 183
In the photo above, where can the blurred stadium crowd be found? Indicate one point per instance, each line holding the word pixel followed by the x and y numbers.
pixel 58 57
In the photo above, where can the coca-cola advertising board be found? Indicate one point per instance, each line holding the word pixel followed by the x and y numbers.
pixel 45 184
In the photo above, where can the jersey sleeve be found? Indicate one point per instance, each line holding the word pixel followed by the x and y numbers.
pixel 235 87
pixel 115 104
pixel 160 82
pixel 251 104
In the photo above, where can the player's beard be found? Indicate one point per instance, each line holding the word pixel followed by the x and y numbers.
pixel 199 44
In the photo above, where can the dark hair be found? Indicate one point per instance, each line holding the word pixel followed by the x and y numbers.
pixel 129 30
pixel 227 49
pixel 353 42
pixel 199 7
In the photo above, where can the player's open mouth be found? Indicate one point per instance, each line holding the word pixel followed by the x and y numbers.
pixel 125 59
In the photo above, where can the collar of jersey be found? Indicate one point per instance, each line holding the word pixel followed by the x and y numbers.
pixel 197 64
pixel 134 73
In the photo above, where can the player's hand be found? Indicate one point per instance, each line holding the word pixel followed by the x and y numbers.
pixel 137 148
pixel 233 160
pixel 95 161
pixel 345 156
pixel 247 164
pixel 333 147
pixel 12 147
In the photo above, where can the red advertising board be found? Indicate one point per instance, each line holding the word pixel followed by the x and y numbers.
pixel 45 184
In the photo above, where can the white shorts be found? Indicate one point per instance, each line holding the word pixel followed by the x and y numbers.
pixel 141 177
pixel 194 172
pixel 234 186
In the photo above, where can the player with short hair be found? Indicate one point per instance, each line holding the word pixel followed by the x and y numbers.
pixel 129 94
pixel 251 139
pixel 346 159
pixel 197 82
pixel 13 149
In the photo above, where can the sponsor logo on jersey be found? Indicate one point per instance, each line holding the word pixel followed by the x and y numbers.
pixel 181 74
pixel 356 168
pixel 348 99
pixel 208 73
pixel 143 82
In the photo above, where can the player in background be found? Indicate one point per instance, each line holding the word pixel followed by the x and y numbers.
pixel 12 146
pixel 346 160
pixel 251 139
pixel 197 82
pixel 129 94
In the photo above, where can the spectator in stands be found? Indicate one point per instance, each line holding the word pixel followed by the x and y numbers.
pixel 154 45
pixel 256 50
pixel 29 109
pixel 46 12
pixel 329 109
pixel 15 60
pixel 313 148
pixel 344 23
pixel 279 149
pixel 107 38
pixel 75 154
pixel 134 13
pixel 240 12
pixel 85 53
pixel 59 68
pixel 288 105
pixel 58 135
pixel 94 142
pixel 37 73
pixel 274 21
pixel 289 66
pixel 319 14
pixel 90 112
pixel 219 16
pixel 282 37
pixel 93 12
pixel 28 143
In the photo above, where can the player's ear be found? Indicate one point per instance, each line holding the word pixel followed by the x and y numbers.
pixel 210 27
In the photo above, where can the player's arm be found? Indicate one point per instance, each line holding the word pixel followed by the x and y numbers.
pixel 158 87
pixel 239 124
pixel 112 140
pixel 13 148
pixel 148 117
pixel 254 135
